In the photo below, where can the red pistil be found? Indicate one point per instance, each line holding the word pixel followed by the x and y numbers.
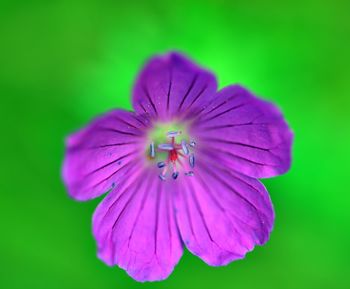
pixel 173 155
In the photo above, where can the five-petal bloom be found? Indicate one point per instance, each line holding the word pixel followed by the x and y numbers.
pixel 181 170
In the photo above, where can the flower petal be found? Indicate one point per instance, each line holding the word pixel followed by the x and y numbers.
pixel 171 86
pixel 245 133
pixel 135 228
pixel 222 214
pixel 99 155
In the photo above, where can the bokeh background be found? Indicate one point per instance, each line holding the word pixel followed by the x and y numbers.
pixel 64 62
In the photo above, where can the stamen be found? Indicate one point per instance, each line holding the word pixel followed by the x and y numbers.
pixel 191 160
pixel 184 147
pixel 161 164
pixel 178 154
pixel 166 146
pixel 192 143
pixel 152 150
pixel 173 133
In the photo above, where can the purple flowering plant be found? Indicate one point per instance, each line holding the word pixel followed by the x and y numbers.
pixel 181 170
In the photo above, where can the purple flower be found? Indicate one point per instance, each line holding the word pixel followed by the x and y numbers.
pixel 179 171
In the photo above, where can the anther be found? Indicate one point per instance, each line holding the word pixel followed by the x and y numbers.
pixel 191 160
pixel 190 174
pixel 192 143
pixel 161 164
pixel 166 146
pixel 162 177
pixel 184 147
pixel 175 175
pixel 152 150
pixel 173 133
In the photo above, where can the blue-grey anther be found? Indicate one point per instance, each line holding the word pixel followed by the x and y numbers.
pixel 152 151
pixel 162 177
pixel 161 164
pixel 166 146
pixel 184 147
pixel 191 160
pixel 175 175
pixel 173 133
pixel 190 174
pixel 192 143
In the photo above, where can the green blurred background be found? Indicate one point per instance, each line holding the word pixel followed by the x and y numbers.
pixel 64 62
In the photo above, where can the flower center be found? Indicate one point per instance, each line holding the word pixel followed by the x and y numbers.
pixel 172 151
